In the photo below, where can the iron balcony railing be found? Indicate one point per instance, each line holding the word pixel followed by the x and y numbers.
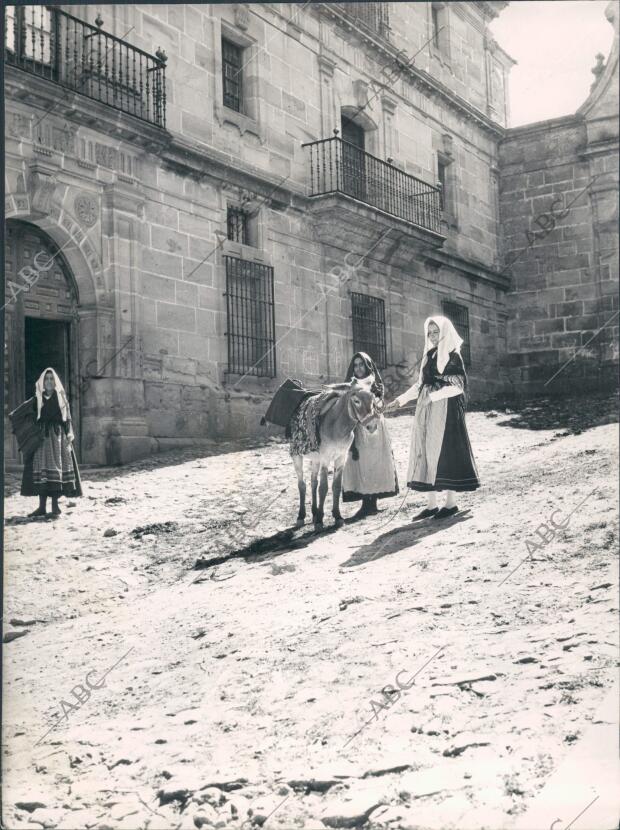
pixel 373 16
pixel 336 166
pixel 48 42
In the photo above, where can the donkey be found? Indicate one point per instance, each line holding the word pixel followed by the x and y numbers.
pixel 353 404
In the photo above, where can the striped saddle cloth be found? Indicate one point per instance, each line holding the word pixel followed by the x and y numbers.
pixel 305 423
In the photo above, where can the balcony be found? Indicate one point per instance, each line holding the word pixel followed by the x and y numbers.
pixel 336 166
pixel 51 44
pixel 372 16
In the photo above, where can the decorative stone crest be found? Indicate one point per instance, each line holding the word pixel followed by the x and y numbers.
pixel 360 91
pixel 242 16
pixel 106 156
pixel 86 209
pixel 18 125
pixel 42 186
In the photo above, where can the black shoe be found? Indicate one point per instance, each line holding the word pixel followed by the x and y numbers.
pixel 445 512
pixel 425 514
pixel 361 513
pixel 40 511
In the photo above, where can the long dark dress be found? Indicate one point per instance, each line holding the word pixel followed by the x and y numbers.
pixel 441 457
pixel 52 469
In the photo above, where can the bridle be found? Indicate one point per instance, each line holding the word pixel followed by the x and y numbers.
pixel 363 421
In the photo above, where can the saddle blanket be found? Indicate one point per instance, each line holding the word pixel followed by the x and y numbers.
pixel 305 423
pixel 286 400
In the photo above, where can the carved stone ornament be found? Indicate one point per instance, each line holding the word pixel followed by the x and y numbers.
pixel 86 209
pixel 360 91
pixel 18 125
pixel 42 185
pixel 242 16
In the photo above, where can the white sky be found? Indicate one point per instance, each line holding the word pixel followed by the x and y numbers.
pixel 554 43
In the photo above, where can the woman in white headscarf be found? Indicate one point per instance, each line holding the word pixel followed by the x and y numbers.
pixel 440 456
pixel 52 469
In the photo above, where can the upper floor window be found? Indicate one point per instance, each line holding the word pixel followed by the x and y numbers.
pixel 435 25
pixel 238 225
pixel 373 16
pixel 442 179
pixel 368 316
pixel 232 74
pixel 459 315
pixel 439 29
pixel 28 34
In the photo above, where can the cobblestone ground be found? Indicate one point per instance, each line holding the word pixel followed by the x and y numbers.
pixel 142 691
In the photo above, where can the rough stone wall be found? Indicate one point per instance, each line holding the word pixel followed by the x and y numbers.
pixel 559 214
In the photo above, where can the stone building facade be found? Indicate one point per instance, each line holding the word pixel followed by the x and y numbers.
pixel 226 195
pixel 559 216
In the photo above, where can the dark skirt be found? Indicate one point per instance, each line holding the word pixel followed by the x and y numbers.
pixel 52 470
pixel 456 468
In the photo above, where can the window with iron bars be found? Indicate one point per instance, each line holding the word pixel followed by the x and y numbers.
pixel 459 315
pixel 28 36
pixel 238 225
pixel 232 78
pixel 250 319
pixel 373 16
pixel 368 316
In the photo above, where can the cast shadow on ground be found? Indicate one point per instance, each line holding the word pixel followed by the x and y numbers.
pixel 268 547
pixel 572 415
pixel 26 520
pixel 405 536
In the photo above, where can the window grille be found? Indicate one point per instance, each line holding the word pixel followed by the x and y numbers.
pixel 250 318
pixel 232 74
pixel 459 315
pixel 237 221
pixel 368 314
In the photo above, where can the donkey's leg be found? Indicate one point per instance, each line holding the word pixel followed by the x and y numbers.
pixel 337 489
pixel 323 487
pixel 298 463
pixel 314 481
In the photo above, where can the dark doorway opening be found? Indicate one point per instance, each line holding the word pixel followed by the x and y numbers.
pixel 46 344
pixel 353 158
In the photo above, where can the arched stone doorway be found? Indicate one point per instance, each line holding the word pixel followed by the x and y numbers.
pixel 41 320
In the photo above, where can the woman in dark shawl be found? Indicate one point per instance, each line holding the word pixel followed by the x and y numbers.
pixel 440 456
pixel 52 469
pixel 369 473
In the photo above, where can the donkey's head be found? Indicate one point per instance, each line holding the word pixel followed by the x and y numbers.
pixel 362 404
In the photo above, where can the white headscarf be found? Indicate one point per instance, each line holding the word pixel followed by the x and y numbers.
pixel 63 403
pixel 449 341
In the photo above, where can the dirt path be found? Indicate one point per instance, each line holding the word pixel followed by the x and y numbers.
pixel 239 692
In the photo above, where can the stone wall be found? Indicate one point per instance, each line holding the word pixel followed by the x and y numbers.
pixel 150 235
pixel 559 214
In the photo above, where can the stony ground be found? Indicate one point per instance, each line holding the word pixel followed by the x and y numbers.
pixel 146 687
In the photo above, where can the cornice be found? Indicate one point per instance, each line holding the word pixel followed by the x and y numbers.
pixel 418 77
pixel 80 109
pixel 472 270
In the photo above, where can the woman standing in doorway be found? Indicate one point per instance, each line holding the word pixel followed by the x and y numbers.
pixel 440 457
pixel 52 469
pixel 369 473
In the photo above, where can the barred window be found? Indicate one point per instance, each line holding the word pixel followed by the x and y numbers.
pixel 28 33
pixel 238 225
pixel 250 318
pixel 232 78
pixel 368 314
pixel 459 315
